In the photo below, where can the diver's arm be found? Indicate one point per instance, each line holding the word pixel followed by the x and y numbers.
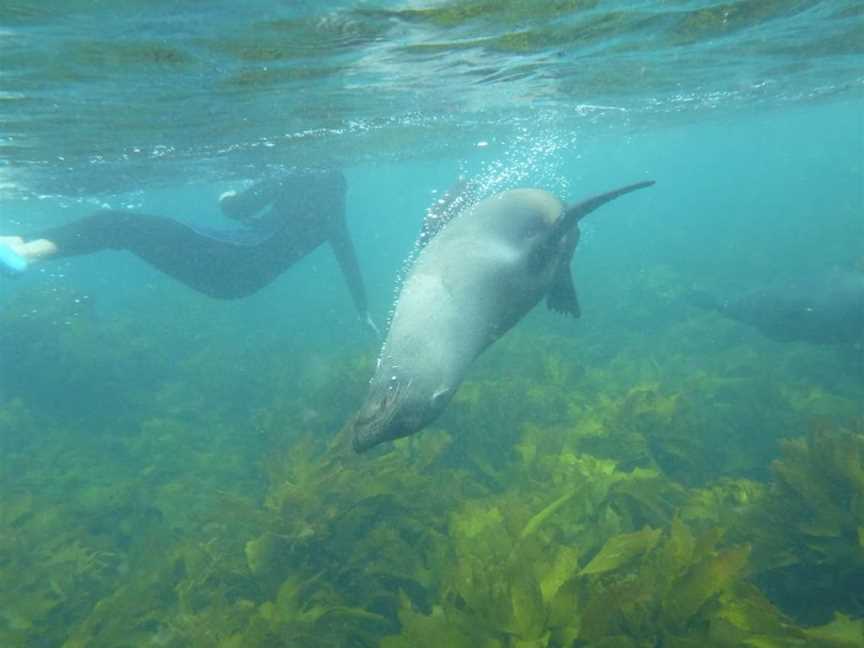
pixel 343 248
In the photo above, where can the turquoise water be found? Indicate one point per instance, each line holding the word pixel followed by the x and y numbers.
pixel 167 463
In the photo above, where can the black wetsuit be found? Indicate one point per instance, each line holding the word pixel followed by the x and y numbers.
pixel 306 209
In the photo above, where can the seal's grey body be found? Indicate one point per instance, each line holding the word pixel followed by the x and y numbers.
pixel 469 285
pixel 823 308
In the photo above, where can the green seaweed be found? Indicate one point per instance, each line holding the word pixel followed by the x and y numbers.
pixel 574 494
pixel 810 521
pixel 621 549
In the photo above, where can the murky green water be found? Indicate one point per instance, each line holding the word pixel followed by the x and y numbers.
pixel 653 474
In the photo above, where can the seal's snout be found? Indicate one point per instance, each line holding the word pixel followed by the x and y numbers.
pixel 369 434
pixel 372 431
pixel 396 410
pixel 372 424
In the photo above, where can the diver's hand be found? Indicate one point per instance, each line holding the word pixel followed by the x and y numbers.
pixel 370 324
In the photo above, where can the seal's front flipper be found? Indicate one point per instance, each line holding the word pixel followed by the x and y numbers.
pixel 562 295
pixel 11 263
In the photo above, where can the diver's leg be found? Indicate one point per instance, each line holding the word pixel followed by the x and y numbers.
pixel 214 267
pixel 99 231
pixel 31 250
pixel 16 254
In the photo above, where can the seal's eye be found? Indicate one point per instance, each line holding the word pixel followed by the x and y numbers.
pixel 439 398
pixel 391 393
pixel 376 410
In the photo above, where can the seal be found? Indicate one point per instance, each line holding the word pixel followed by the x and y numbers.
pixel 471 282
pixel 821 308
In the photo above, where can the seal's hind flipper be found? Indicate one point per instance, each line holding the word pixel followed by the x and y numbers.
pixel 574 213
pixel 562 295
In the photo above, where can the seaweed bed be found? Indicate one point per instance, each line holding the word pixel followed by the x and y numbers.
pixel 583 489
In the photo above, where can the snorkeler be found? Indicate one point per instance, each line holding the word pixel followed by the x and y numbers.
pixel 282 219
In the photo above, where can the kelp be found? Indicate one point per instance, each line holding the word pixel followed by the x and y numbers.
pixel 574 494
pixel 625 409
pixel 841 632
pixel 649 587
pixel 621 549
pixel 808 526
pixel 561 570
